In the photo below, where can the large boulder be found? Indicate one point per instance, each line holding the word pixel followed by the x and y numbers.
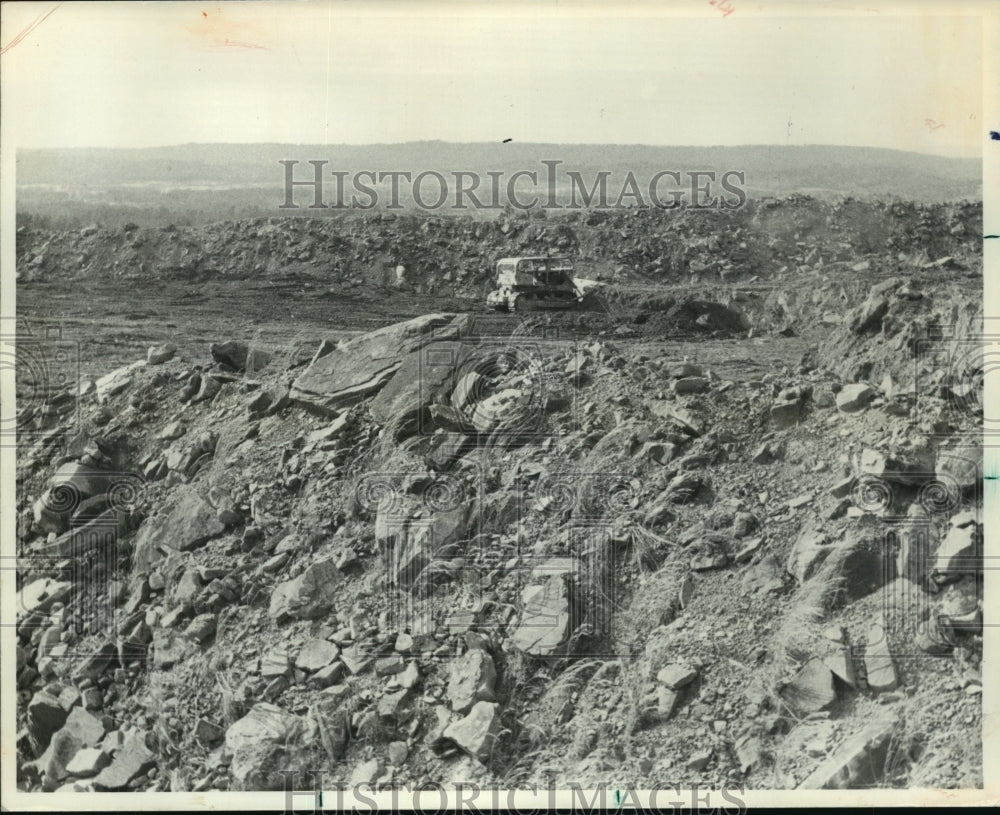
pixel 362 366
pixel 266 743
pixel 913 465
pixel 41 594
pixel 308 596
pixel 239 355
pixel 45 716
pixel 959 553
pixel 424 377
pixel 855 397
pixel 478 731
pixel 959 469
pixel 131 759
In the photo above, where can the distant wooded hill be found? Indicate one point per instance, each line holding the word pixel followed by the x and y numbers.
pixel 242 179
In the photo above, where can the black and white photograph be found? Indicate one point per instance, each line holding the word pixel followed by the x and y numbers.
pixel 462 405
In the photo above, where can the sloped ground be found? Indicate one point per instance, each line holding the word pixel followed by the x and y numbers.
pixel 463 549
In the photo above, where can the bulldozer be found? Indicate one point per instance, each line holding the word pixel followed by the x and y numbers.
pixel 534 284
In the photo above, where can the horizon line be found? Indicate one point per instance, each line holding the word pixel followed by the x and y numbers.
pixel 772 145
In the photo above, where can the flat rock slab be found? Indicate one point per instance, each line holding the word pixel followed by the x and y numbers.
pixel 316 654
pixel 85 726
pixel 881 672
pixel 855 764
pixel 422 375
pixel 191 522
pixel 132 758
pixel 544 625
pixel 362 366
pixel 117 381
pixel 853 398
pixel 676 675
pixel 88 762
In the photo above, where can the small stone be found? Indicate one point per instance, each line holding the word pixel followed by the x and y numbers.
pixel 855 763
pixel 158 354
pixel 748 753
pixel 347 560
pixel 667 702
pixel 69 698
pixel 676 676
pixel 308 596
pixel 92 699
pixel 843 487
pixel 699 760
pixel 45 717
pixel 388 703
pixel 356 660
pixel 275 562
pixel 276 687
pixel 208 732
pixel 853 398
pixel 398 751
pixel 834 633
pixel 841 664
pixel 274 663
pixel 691 384
pixel 786 414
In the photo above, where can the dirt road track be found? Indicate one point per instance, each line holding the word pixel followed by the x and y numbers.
pixel 114 324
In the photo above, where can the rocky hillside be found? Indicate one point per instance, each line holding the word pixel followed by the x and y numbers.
pixel 431 553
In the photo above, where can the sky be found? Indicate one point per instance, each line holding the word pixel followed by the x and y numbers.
pixel 727 72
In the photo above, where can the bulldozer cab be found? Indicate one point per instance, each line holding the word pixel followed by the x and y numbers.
pixel 534 271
